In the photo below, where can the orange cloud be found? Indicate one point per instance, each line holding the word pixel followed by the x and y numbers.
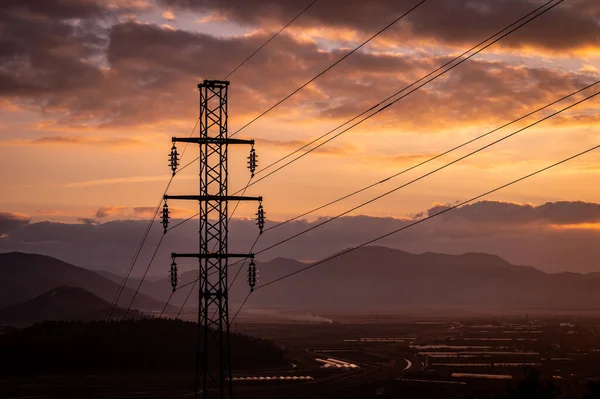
pixel 121 180
pixel 148 212
pixel 106 211
pixel 168 15
pixel 576 226
pixel 295 144
pixel 78 140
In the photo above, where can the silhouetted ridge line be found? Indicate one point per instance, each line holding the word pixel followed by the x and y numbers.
pixel 448 209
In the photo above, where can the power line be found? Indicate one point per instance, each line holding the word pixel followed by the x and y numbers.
pixel 144 276
pixel 189 163
pixel 136 255
pixel 402 90
pixel 187 297
pixel 150 263
pixel 446 165
pixel 388 105
pixel 241 306
pixel 243 263
pixel 271 38
pixel 427 218
pixel 195 159
pixel 166 304
pixel 429 173
pixel 506 34
pixel 430 159
pixel 327 69
pixel 143 241
pixel 182 222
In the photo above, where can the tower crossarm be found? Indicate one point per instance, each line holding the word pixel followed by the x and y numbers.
pixel 211 140
pixel 211 256
pixel 211 198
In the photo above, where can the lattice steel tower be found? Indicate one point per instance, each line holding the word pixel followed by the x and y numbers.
pixel 213 374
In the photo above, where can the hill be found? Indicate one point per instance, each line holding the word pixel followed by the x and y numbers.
pixel 384 278
pixel 25 276
pixel 368 278
pixel 61 303
pixel 147 344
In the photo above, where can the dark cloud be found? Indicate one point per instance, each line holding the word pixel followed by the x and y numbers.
pixel 105 211
pixel 521 233
pixel 46 46
pixel 10 221
pixel 56 9
pixel 568 26
pixel 93 70
pixel 88 221
pixel 562 212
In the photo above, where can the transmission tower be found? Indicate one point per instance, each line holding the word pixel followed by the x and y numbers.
pixel 213 372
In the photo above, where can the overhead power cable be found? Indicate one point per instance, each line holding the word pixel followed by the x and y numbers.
pixel 431 216
pixel 390 97
pixel 125 278
pixel 429 159
pixel 271 38
pixel 429 173
pixel 523 18
pixel 445 210
pixel 520 23
pixel 446 165
pixel 124 281
pixel 328 68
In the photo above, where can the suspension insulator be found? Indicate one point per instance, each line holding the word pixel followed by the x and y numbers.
pixel 165 216
pixel 252 276
pixel 174 159
pixel 252 161
pixel 260 218
pixel 174 274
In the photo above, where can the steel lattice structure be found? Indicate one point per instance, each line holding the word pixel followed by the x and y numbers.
pixel 213 374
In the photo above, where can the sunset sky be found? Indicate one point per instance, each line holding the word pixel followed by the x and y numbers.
pixel 92 91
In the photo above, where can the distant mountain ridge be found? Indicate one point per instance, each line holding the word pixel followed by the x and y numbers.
pixel 380 278
pixel 61 303
pixel 25 276
pixel 385 278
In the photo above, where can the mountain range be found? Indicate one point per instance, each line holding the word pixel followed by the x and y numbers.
pixel 25 276
pixel 368 278
pixel 61 303
pixel 384 278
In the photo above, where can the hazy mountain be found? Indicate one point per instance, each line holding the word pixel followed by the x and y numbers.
pixel 61 303
pixel 384 278
pixel 368 278
pixel 25 276
pixel 132 281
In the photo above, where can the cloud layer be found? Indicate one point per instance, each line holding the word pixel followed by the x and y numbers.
pixel 553 236
pixel 84 65
pixel 81 80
